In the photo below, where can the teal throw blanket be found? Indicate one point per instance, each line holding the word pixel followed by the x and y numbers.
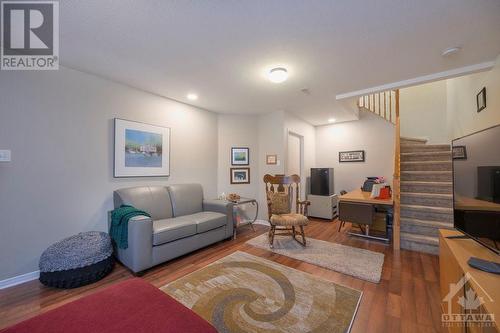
pixel 119 224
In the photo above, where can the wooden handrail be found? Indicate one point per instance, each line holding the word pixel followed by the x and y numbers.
pixel 396 180
pixel 389 110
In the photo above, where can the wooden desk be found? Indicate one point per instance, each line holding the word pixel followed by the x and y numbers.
pixel 358 207
pixel 364 197
pixel 453 257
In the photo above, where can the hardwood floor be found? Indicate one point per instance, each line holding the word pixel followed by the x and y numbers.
pixel 407 299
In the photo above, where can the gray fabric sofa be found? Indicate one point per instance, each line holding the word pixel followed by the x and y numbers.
pixel 181 222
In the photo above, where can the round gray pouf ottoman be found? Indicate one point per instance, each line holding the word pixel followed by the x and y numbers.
pixel 77 260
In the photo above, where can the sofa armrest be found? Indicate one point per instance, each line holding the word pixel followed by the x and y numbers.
pixel 138 255
pixel 224 207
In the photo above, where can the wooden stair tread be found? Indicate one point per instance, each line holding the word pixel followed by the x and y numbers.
pixel 432 195
pixel 421 182
pixel 427 208
pixel 426 223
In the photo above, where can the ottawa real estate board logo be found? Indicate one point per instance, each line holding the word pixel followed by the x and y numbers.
pixel 464 307
pixel 29 35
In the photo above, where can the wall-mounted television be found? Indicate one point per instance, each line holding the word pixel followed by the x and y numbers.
pixel 476 186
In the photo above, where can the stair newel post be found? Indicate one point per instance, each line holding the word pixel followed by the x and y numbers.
pixel 396 178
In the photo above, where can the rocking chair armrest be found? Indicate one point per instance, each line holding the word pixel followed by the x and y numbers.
pixel 304 202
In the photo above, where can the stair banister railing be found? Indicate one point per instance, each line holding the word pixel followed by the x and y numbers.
pixel 386 105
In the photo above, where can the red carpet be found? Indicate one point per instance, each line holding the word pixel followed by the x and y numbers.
pixel 131 306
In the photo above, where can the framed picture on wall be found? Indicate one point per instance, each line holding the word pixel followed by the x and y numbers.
pixel 141 150
pixel 481 100
pixel 271 159
pixel 459 153
pixel 240 175
pixel 240 156
pixel 352 156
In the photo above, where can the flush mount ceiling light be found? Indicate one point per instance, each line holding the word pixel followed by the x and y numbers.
pixel 451 51
pixel 278 75
pixel 192 97
pixel 332 120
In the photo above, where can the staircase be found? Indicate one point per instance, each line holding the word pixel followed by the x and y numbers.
pixel 426 194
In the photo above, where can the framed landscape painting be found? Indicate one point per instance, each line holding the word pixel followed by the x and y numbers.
pixel 240 175
pixel 240 156
pixel 141 150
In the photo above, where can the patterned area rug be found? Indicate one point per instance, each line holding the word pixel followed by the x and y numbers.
pixel 360 263
pixel 245 293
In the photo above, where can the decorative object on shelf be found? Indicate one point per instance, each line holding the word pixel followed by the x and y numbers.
pixel 481 100
pixel 271 159
pixel 233 197
pixel 240 156
pixel 352 156
pixel 141 150
pixel 459 152
pixel 240 175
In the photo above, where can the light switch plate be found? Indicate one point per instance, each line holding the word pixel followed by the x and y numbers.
pixel 5 155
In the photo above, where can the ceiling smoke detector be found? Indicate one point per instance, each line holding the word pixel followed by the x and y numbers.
pixel 451 51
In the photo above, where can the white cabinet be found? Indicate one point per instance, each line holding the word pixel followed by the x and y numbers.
pixel 323 206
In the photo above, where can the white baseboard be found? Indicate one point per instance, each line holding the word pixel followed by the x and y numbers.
pixel 13 281
pixel 263 222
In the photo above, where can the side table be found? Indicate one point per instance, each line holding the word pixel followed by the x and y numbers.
pixel 238 222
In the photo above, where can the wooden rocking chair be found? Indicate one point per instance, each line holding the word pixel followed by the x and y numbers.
pixel 281 191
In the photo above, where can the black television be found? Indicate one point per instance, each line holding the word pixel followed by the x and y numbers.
pixel 476 186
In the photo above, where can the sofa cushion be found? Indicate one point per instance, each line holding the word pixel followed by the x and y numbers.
pixel 206 221
pixel 168 230
pixel 152 199
pixel 186 199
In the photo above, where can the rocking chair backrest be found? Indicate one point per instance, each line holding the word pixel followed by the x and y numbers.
pixel 283 184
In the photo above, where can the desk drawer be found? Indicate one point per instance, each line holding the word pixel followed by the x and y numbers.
pixel 356 212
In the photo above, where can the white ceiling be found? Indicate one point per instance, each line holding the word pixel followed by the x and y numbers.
pixel 220 49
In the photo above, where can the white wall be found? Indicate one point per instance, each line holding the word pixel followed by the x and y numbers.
pixel 372 134
pixel 423 111
pixel 308 132
pixel 271 142
pixel 461 95
pixel 237 131
pixel 59 125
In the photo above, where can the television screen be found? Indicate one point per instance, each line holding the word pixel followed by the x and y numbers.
pixel 476 182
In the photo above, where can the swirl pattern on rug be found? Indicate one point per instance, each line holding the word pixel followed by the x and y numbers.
pixel 245 293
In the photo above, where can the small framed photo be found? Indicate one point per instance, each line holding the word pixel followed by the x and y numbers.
pixel 240 175
pixel 352 156
pixel 459 153
pixel 271 159
pixel 481 100
pixel 240 156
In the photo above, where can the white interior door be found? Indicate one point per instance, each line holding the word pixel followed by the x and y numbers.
pixel 294 155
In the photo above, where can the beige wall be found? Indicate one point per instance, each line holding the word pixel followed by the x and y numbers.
pixel 372 134
pixel 423 111
pixel 59 126
pixel 462 117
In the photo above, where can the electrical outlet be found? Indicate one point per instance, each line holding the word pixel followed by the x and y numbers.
pixel 5 155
